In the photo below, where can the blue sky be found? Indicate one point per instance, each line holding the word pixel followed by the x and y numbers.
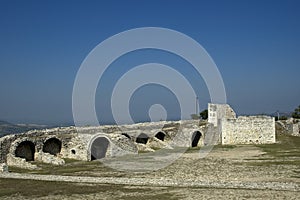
pixel 255 44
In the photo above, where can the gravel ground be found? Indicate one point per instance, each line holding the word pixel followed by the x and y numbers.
pixel 226 173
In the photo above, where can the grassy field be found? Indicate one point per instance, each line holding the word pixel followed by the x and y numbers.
pixel 285 152
pixel 18 189
pixel 71 168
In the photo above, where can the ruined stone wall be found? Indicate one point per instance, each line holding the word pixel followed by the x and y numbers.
pixel 183 136
pixel 217 112
pixel 289 127
pixel 293 129
pixel 248 130
pixel 9 143
pixel 76 141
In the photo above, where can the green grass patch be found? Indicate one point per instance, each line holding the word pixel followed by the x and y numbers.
pixel 286 146
pixel 285 152
pixel 225 147
pixel 71 168
pixel 276 162
pixel 18 188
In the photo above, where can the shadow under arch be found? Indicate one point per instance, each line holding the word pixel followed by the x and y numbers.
pixel 98 147
pixel 142 138
pixel 195 138
pixel 25 149
pixel 160 135
pixel 52 146
pixel 126 135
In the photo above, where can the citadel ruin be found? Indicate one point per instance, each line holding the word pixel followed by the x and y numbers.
pixel 92 143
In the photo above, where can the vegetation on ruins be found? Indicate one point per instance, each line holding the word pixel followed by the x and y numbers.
pixel 194 116
pixel 296 113
pixel 204 114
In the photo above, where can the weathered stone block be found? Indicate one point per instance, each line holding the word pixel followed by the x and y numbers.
pixel 3 168
pixel 248 130
pixel 218 112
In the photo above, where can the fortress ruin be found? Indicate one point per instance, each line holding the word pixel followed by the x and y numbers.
pixel 92 143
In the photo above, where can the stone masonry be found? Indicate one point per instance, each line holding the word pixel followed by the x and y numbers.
pixel 241 130
pixel 217 112
pixel 92 143
pixel 248 130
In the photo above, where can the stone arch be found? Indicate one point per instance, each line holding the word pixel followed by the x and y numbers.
pixel 99 148
pixel 160 135
pixel 195 138
pixel 142 138
pixel 126 135
pixel 52 146
pixel 25 149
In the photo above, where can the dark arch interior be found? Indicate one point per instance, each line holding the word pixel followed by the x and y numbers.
pixel 195 138
pixel 160 136
pixel 126 135
pixel 142 138
pixel 99 148
pixel 25 150
pixel 52 146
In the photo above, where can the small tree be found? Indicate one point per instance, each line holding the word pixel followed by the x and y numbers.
pixel 296 113
pixel 194 116
pixel 204 114
pixel 281 118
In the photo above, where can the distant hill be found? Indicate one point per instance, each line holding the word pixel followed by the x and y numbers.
pixel 7 128
pixel 4 122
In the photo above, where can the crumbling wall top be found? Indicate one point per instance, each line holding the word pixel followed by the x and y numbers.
pixel 217 112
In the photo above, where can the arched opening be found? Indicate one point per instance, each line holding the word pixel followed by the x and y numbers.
pixel 126 135
pixel 52 146
pixel 73 151
pixel 99 148
pixel 25 150
pixel 142 138
pixel 160 136
pixel 195 138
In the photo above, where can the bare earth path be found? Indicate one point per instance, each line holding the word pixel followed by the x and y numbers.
pixel 158 182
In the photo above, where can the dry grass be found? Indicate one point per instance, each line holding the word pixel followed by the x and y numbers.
pixel 19 189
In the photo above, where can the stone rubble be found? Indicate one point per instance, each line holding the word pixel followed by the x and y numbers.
pixel 48 158
pixel 3 168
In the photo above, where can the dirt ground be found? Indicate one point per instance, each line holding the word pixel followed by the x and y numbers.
pixel 227 172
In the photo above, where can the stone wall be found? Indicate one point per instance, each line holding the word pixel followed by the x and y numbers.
pixel 293 129
pixel 292 126
pixel 9 143
pixel 289 127
pixel 3 168
pixel 248 130
pixel 217 112
pixel 76 142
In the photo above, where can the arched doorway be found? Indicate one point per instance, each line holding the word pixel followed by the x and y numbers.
pixel 195 138
pixel 142 138
pixel 99 148
pixel 25 149
pixel 160 135
pixel 52 146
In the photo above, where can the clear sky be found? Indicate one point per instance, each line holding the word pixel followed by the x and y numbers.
pixel 255 44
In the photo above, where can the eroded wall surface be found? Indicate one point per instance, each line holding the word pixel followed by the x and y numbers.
pixel 248 130
pixel 217 112
pixel 77 142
